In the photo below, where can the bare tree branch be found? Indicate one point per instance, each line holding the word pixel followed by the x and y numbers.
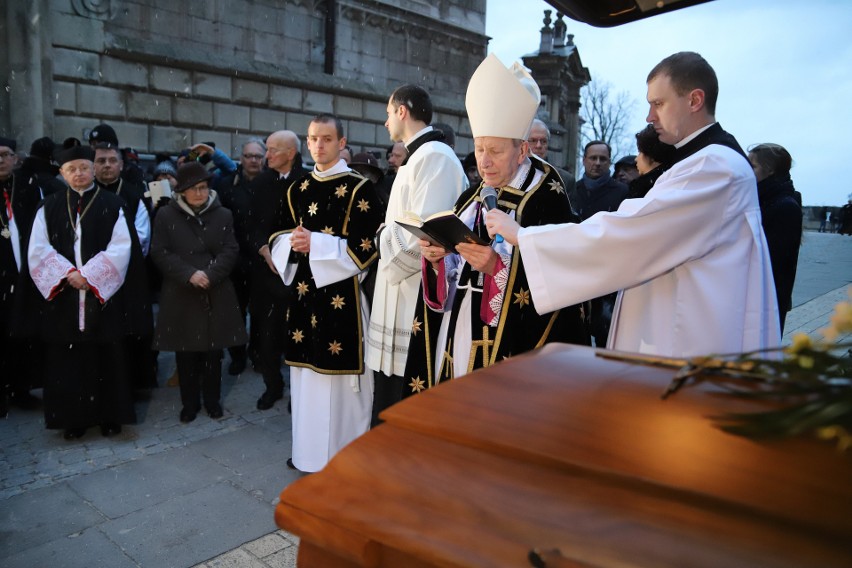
pixel 606 115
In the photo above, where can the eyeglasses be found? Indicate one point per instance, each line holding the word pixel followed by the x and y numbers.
pixel 197 189
pixel 253 156
pixel 6 155
pixel 537 141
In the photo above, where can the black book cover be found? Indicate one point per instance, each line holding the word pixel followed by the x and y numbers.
pixel 442 228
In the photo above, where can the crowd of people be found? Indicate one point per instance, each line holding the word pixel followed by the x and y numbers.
pixel 689 247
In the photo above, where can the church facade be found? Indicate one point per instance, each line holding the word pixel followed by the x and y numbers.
pixel 169 74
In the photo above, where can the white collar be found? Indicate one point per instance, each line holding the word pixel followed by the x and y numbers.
pixel 418 135
pixel 693 136
pixel 341 167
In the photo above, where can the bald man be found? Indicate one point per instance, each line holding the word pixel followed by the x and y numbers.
pixel 268 293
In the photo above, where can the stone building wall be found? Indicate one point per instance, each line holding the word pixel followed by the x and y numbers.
pixel 166 74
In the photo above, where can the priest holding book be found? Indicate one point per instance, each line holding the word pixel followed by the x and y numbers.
pixel 476 308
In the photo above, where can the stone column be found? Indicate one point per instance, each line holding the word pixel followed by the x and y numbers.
pixel 25 104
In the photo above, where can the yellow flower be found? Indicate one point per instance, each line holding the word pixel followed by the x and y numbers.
pixel 806 362
pixel 844 438
pixel 801 341
pixel 841 320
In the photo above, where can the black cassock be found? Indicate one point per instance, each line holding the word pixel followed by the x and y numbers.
pixel 86 375
pixel 515 326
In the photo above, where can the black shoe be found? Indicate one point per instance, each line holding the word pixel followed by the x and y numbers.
pixel 74 433
pixel 290 464
pixel 110 429
pixel 214 411
pixel 237 366
pixel 24 400
pixel 187 416
pixel 267 400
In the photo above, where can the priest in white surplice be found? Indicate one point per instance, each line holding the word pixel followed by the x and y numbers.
pixel 322 249
pixel 689 259
pixel 79 251
pixel 429 180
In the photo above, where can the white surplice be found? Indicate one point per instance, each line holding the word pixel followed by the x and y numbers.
pixel 431 181
pixel 328 411
pixel 105 271
pixel 689 258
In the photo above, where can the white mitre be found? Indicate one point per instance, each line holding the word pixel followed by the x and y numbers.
pixel 501 102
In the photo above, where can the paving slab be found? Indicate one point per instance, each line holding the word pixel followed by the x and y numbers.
pixel 41 516
pixel 191 528
pixel 91 549
pixel 142 484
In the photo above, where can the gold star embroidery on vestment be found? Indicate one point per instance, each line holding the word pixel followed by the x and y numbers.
pixel 415 326
pixel 312 209
pixel 313 320
pixel 340 190
pixel 302 288
pixel 328 230
pixel 416 384
pixel 522 298
pixel 366 245
pixel 338 302
pixel 556 186
pixel 298 336
pixel 335 347
pixel 363 206
pixel 304 185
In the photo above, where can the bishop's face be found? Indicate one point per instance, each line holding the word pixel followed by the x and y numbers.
pixel 499 158
pixel 78 174
pixel 669 112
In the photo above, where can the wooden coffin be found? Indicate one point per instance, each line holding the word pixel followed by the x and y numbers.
pixel 578 458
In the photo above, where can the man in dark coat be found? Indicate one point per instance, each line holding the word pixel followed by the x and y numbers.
pixel 234 191
pixel 108 170
pixel 268 294
pixel 18 354
pixel 79 252
pixel 598 191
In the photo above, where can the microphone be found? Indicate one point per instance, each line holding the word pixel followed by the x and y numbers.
pixel 488 195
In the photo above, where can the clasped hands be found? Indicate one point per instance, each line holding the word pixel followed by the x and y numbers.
pixel 77 280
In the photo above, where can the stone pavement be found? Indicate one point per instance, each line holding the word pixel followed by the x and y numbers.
pixel 165 494
pixel 159 494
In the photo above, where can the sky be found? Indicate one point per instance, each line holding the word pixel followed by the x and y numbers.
pixel 784 70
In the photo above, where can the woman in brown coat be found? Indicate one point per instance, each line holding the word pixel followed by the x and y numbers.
pixel 194 247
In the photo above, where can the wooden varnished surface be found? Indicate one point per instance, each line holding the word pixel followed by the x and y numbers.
pixel 578 458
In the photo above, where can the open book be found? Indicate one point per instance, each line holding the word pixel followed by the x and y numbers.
pixel 442 228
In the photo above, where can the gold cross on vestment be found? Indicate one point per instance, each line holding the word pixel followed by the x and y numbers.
pixel 447 363
pixel 485 343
